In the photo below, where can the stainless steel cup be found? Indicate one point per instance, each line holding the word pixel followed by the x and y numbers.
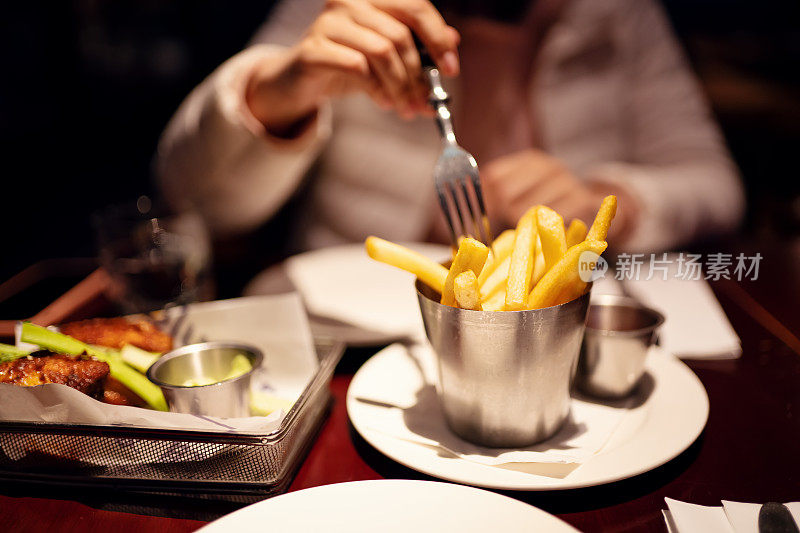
pixel 619 331
pixel 206 360
pixel 504 377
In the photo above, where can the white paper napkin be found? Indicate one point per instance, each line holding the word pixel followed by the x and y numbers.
pixel 696 326
pixel 412 413
pixel 731 517
pixel 693 518
pixel 342 283
pixel 57 403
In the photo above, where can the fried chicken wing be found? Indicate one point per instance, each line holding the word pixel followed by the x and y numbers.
pixel 85 375
pixel 117 332
pixel 118 394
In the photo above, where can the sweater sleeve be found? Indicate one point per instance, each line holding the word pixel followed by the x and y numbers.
pixel 679 168
pixel 216 157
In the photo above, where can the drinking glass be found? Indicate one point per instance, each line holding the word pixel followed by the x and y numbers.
pixel 156 258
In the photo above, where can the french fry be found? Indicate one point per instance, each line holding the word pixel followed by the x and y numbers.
pixel 552 235
pixel 576 232
pixel 489 264
pixel 602 221
pixel 471 255
pixel 522 257
pixel 539 266
pixel 501 248
pixel 563 276
pixel 430 272
pixel 598 231
pixel 496 302
pixel 465 287
pixel 496 280
pixel 504 243
pixel 571 292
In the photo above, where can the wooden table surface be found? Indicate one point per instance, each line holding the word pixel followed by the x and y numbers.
pixel 748 451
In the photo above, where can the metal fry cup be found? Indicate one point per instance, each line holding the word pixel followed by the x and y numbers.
pixel 504 376
pixel 619 332
pixel 225 398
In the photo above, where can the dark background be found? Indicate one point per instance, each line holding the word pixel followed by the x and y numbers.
pixel 88 85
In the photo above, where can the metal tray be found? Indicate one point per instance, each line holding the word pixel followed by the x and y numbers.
pixel 171 461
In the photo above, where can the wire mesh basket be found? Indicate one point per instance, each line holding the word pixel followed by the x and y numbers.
pixel 168 460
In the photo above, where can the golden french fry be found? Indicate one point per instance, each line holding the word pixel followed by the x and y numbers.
pixel 489 264
pixel 598 231
pixel 501 248
pixel 521 268
pixel 504 243
pixel 563 276
pixel 496 302
pixel 539 265
pixel 430 272
pixel 552 235
pixel 576 232
pixel 496 281
pixel 571 292
pixel 602 221
pixel 465 287
pixel 471 255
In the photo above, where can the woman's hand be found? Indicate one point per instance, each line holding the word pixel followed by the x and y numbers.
pixel 354 45
pixel 516 182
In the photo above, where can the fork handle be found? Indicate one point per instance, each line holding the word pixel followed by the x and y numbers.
pixel 431 72
pixel 438 97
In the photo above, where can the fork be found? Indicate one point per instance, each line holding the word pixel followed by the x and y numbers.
pixel 455 175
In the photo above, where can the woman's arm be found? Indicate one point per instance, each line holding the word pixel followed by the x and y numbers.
pixel 242 141
pixel 215 156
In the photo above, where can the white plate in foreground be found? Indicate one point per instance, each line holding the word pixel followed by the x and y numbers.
pixel 351 297
pixel 390 505
pixel 667 420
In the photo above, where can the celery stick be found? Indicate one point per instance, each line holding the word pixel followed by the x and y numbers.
pixel 262 404
pixel 134 380
pixel 51 340
pixel 60 343
pixel 139 359
pixel 11 353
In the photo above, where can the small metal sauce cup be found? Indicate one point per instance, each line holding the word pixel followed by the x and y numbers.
pixel 504 376
pixel 619 332
pixel 207 360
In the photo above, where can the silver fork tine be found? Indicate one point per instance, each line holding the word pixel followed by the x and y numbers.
pixel 461 220
pixel 442 193
pixel 473 232
pixel 485 229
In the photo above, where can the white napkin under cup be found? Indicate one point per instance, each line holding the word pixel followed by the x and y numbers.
pixel 731 517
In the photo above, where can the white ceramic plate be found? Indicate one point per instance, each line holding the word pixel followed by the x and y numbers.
pixel 351 297
pixel 670 415
pixel 390 505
